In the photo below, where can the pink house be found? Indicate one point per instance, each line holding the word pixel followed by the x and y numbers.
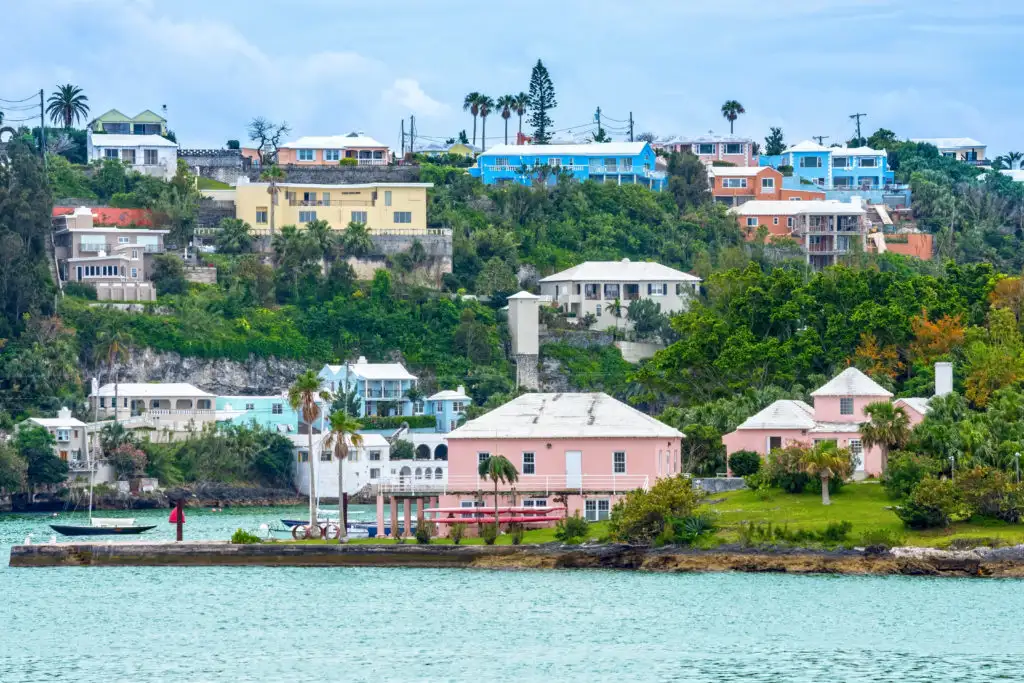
pixel 836 416
pixel 576 451
pixel 736 150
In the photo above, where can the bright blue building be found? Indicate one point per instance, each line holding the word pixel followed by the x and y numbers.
pixel 272 412
pixel 382 388
pixel 621 163
pixel 448 407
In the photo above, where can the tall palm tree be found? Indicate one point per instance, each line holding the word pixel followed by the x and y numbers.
pixel 522 104
pixel 888 427
pixel 273 175
pixel 302 396
pixel 498 468
pixel 67 105
pixel 506 103
pixel 825 460
pixel 1013 158
pixel 342 432
pixel 321 239
pixel 356 240
pixel 472 105
pixel 486 104
pixel 113 345
pixel 731 111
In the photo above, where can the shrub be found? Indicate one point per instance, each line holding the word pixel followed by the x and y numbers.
pixel 641 516
pixel 243 537
pixel 786 170
pixel 168 274
pixel 348 161
pixel 688 529
pixel 83 290
pixel 515 530
pixel 932 503
pixel 745 463
pixel 881 539
pixel 402 450
pixel 395 421
pixel 457 531
pixel 785 469
pixel 836 532
pixel 756 533
pixel 425 530
pixel 571 529
pixel 989 492
pixel 489 532
pixel 905 470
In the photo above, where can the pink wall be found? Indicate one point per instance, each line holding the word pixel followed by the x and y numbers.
pixel 757 440
pixel 915 417
pixel 826 408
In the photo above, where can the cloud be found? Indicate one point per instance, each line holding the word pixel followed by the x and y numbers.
pixel 408 93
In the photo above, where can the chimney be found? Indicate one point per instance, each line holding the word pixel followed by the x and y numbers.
pixel 943 379
pixel 361 361
pixel 64 413
pixel 461 390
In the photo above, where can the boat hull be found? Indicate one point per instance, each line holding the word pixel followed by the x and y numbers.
pixel 67 530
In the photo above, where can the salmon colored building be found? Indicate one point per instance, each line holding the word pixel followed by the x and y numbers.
pixel 908 243
pixel 330 150
pixel 736 185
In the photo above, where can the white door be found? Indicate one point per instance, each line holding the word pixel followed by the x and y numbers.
pixel 573 469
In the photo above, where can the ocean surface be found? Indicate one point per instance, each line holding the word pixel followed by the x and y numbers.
pixel 224 625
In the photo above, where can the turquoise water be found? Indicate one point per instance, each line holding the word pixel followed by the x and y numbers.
pixel 292 624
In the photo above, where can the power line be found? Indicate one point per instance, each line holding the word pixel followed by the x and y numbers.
pixel 857 116
pixel 26 99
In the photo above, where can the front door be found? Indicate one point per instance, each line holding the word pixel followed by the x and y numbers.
pixel 573 469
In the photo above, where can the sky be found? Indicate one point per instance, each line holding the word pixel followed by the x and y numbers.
pixel 922 68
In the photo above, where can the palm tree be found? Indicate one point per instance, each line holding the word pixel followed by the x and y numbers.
pixel 234 236
pixel 506 103
pixel 321 238
pixel 522 104
pixel 67 105
pixel 887 428
pixel 731 111
pixel 472 105
pixel 825 460
pixel 486 104
pixel 272 174
pixel 113 346
pixel 342 432
pixel 302 396
pixel 1013 158
pixel 498 468
pixel 356 240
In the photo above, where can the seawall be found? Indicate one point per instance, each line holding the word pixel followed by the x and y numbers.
pixel 982 562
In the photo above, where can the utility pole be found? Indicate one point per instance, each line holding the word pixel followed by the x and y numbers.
pixel 412 134
pixel 820 139
pixel 42 129
pixel 403 138
pixel 857 116
pixel 631 126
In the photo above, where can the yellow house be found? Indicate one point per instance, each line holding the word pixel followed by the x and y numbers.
pixel 385 208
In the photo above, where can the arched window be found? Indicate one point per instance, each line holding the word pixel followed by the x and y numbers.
pixel 419 473
pixel 438 473
pixel 426 473
pixel 423 452
pixel 441 452
pixel 405 472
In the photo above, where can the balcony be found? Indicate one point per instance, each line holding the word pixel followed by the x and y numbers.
pixel 534 484
pixel 95 246
pixel 384 394
pixel 331 202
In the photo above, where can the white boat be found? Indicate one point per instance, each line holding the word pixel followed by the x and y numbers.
pixel 112 522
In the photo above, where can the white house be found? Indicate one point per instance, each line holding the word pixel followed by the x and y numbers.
pixel 381 387
pixel 963 149
pixel 594 288
pixel 70 435
pixel 171 408
pixel 152 155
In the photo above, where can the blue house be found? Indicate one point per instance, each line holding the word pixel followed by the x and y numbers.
pixel 448 407
pixel 382 388
pixel 622 163
pixel 272 412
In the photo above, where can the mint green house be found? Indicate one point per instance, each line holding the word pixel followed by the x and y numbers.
pixel 145 123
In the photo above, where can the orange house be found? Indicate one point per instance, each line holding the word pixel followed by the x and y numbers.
pixel 736 185
pixel 359 149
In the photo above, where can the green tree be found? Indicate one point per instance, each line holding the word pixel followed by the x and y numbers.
pixel 235 237
pixel 179 203
pixel 35 445
pixel 67 180
pixel 774 144
pixel 303 396
pixel 109 179
pixel 342 432
pixel 888 427
pixel 688 180
pixel 882 138
pixel 67 105
pixel 506 103
pixel 496 277
pixel 471 103
pixel 826 461
pixel 521 106
pixel 113 346
pixel 168 274
pixel 731 110
pixel 498 469
pixel 641 515
pixel 541 102
pixel 356 240
pixel 272 175
pixel 485 104
pixel 646 316
pixel 13 469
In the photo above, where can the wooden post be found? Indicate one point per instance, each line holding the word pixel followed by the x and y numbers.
pixel 181 519
pixel 344 514
pixel 394 516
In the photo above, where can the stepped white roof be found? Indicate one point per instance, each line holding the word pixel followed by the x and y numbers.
pixel 810 146
pixel 564 416
pixel 333 142
pixel 450 395
pixel 119 140
pixel 783 414
pixel 372 371
pixel 63 419
pixel 813 207
pixel 950 143
pixel 612 271
pixel 586 149
pixel 158 389
pixel 851 382
pixel 917 403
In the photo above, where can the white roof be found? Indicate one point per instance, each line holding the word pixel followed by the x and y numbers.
pixel 738 170
pixel 333 142
pixel 341 186
pixel 916 403
pixel 591 149
pixel 370 440
pixel 449 395
pixel 851 382
pixel 605 271
pixel 826 427
pixel 523 294
pixel 806 146
pixel 371 371
pixel 58 422
pixel 158 389
pixel 112 229
pixel 564 416
pixel 706 137
pixel 950 143
pixel 783 414
pixel 117 140
pixel 809 146
pixel 774 207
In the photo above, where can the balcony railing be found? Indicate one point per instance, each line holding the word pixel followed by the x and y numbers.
pixel 331 202
pixel 533 483
pixel 93 246
pixel 371 162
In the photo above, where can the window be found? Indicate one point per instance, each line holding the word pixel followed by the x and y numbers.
pixel 135 254
pixel 841 181
pixel 480 457
pixel 103 403
pixel 359 217
pixel 868 162
pixel 307 216
pixel 501 161
pixel 149 157
pixel 846 406
pixel 626 164
pixel 775 220
pixel 307 155
pixel 611 164
pixel 767 183
pixel 63 435
pixel 734 182
pixel 471 503
pixel 332 155
pixel 733 148
pixel 261 215
pixel 554 162
pixel 810 162
pixel 374 473
pixel 403 216
pixel 705 149
pixel 303 456
pixel 611 291
pixel 109 153
pixel 325 456
pixel 840 162
pixel 387 197
pixel 596 510
pixel 374 456
pixel 277 408
pixel 250 406
pixel 598 311
pixel 592 291
pixel 135 273
pixel 535 503
pixel 529 463
pixel 438 473
pixel 128 157
pixel 856 448
pixel 774 443
pixel 789 222
pixel 309 198
pixel 619 462
pixel 867 181
pixel 659 289
pixel 327 199
pixel 751 221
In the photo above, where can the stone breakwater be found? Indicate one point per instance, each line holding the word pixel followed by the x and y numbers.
pixel 981 562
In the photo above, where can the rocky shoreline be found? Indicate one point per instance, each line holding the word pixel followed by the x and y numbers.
pixel 195 496
pixel 980 562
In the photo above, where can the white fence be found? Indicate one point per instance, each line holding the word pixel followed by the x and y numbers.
pixel 535 483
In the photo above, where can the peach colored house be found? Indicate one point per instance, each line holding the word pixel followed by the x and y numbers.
pixel 582 451
pixel 836 415
pixel 709 148
pixel 330 150
pixel 736 185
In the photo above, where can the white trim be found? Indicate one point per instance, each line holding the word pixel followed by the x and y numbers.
pixel 624 461
pixel 533 464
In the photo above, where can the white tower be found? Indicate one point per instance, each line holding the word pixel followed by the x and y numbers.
pixel 523 326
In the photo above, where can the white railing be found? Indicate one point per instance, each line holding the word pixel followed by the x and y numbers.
pixel 190 412
pixel 549 484
pixel 372 162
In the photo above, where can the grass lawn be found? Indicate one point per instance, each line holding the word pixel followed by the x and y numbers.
pixel 865 505
pixel 211 184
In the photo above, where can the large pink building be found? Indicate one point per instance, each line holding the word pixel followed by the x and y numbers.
pixel 732 149
pixel 580 451
pixel 836 415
